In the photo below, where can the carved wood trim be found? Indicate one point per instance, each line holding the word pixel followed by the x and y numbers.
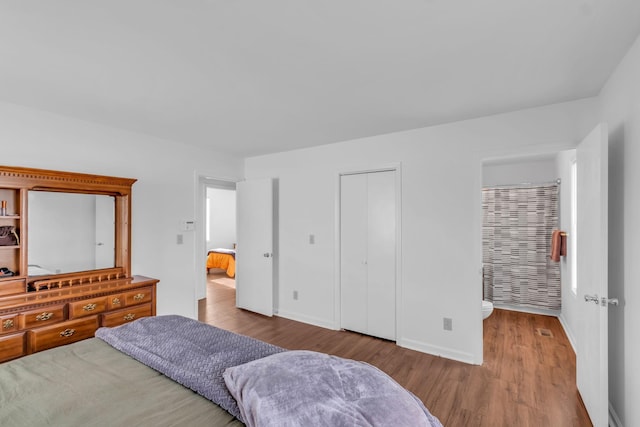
pixel 63 181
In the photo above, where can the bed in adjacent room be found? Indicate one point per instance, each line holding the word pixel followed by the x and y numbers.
pixel 170 370
pixel 224 259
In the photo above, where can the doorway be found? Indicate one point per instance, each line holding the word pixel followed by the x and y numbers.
pixel 521 204
pixel 216 231
pixel 579 315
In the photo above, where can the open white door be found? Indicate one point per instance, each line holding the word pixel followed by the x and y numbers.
pixel 592 257
pixel 254 253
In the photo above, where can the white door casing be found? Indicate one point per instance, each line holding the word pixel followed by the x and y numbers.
pixel 254 252
pixel 592 258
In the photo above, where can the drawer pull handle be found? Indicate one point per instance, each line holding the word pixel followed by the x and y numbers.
pixel 138 297
pixel 44 316
pixel 129 316
pixel 115 301
pixel 89 307
pixel 67 332
pixel 8 324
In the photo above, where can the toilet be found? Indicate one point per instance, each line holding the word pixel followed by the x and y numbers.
pixel 487 309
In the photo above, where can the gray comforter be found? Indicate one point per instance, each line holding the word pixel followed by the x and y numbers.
pixel 191 353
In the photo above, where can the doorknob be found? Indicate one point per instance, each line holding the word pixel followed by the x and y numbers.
pixel 612 301
pixel 592 298
pixel 266 254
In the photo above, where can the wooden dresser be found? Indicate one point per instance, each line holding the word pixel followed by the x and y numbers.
pixel 41 320
pixel 60 279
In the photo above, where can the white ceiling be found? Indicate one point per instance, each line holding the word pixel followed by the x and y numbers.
pixel 254 77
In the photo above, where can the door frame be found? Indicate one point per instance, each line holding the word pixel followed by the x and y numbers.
pixel 516 153
pixel 202 181
pixel 500 155
pixel 395 167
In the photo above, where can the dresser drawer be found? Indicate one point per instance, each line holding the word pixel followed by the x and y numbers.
pixel 42 317
pixel 138 296
pixel 12 287
pixel 12 346
pixel 61 333
pixel 126 315
pixel 8 324
pixel 87 307
pixel 115 301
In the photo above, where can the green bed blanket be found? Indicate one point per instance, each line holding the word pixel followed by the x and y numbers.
pixel 90 383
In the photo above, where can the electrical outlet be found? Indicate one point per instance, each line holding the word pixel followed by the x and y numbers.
pixel 295 295
pixel 179 239
pixel 447 324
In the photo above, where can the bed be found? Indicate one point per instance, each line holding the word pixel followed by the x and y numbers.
pixel 137 374
pixel 224 259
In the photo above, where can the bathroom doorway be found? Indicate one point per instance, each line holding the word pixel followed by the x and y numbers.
pixel 524 200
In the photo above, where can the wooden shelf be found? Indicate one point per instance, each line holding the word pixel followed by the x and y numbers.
pixel 10 247
pixel 9 216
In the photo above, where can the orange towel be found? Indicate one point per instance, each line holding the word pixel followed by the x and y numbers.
pixel 558 245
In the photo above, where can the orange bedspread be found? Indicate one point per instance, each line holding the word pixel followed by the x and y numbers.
pixel 223 261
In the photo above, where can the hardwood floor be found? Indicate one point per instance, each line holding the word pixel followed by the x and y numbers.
pixel 527 379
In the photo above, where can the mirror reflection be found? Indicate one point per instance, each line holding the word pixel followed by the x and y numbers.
pixel 70 232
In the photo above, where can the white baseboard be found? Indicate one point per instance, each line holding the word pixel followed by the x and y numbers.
pixel 410 344
pixel 532 310
pixel 448 353
pixel 568 332
pixel 307 319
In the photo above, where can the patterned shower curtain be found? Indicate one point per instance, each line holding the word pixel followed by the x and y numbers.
pixel 517 223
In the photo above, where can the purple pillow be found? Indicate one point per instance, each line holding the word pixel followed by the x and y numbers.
pixel 299 388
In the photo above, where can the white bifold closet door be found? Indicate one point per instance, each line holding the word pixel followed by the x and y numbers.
pixel 368 253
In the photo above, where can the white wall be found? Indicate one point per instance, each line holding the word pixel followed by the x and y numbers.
pixel 531 170
pixel 620 102
pixel 441 217
pixel 163 195
pixel 222 218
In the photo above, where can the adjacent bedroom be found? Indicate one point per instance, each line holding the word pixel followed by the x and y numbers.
pixel 220 234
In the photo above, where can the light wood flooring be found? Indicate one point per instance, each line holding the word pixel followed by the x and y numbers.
pixel 527 379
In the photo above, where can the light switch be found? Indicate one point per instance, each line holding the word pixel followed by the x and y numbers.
pixel 312 239
pixel 179 239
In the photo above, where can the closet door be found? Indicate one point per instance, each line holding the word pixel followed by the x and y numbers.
pixel 381 255
pixel 353 252
pixel 368 253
